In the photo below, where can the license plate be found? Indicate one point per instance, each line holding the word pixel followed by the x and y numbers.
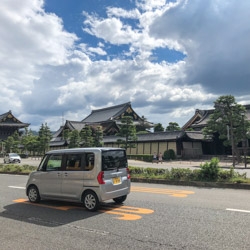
pixel 117 180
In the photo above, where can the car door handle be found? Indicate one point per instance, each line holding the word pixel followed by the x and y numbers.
pixel 65 174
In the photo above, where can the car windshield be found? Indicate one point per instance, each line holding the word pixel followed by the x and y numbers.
pixel 114 159
pixel 13 154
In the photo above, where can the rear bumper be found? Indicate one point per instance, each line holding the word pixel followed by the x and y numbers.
pixel 114 194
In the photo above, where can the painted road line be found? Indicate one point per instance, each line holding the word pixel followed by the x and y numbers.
pixel 124 212
pixel 16 187
pixel 130 209
pixel 237 210
pixel 124 216
pixel 174 193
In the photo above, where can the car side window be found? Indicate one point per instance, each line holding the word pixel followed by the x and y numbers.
pixel 89 161
pixel 54 163
pixel 73 162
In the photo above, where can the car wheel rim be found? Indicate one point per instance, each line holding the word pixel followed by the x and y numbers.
pixel 32 194
pixel 90 201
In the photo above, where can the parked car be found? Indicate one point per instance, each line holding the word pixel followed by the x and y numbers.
pixel 87 175
pixel 12 158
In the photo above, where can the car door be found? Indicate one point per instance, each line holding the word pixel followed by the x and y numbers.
pixel 51 176
pixel 72 176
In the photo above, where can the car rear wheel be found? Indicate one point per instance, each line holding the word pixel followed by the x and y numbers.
pixel 33 194
pixel 120 199
pixel 90 201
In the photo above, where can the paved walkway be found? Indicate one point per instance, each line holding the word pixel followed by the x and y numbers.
pixel 186 164
pixel 166 165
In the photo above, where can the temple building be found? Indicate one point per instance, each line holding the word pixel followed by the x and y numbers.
pixel 215 146
pixel 8 125
pixel 108 118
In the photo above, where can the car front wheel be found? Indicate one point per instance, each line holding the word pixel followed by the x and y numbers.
pixel 90 201
pixel 33 194
pixel 120 199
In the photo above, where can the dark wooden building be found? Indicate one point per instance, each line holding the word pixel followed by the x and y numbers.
pixel 108 118
pixel 8 125
pixel 199 121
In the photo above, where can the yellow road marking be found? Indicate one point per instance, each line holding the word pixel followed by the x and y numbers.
pixel 124 216
pixel 174 193
pixel 108 209
pixel 130 209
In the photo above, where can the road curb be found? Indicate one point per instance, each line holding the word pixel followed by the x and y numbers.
pixel 193 183
pixel 14 173
pixel 180 183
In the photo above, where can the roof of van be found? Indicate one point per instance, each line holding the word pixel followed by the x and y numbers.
pixel 78 150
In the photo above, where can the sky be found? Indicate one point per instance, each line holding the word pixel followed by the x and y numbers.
pixel 61 59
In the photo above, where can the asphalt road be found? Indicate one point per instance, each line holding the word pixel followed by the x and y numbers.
pixel 153 217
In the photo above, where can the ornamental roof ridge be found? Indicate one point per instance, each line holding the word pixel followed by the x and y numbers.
pixel 111 107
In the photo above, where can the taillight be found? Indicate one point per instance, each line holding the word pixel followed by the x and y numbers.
pixel 128 173
pixel 100 178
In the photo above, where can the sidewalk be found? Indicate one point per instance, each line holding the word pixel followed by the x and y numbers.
pixel 186 164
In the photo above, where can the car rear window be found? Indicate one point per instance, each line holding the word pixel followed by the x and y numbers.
pixel 114 159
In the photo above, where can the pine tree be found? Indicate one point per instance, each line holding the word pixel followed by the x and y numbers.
pixel 128 131
pixel 74 139
pixel 86 137
pixel 173 126
pixel 98 136
pixel 44 137
pixel 158 128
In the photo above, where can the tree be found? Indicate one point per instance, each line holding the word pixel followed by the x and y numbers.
pixel 16 142
pixel 44 137
pixel 66 133
pixel 158 128
pixel 127 131
pixel 74 139
pixel 12 143
pixel 98 136
pixel 143 126
pixel 86 137
pixel 229 121
pixel 8 144
pixel 173 126
pixel 30 142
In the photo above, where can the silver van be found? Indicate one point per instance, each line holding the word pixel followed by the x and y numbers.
pixel 88 175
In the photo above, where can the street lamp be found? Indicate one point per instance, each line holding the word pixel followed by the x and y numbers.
pixel 244 138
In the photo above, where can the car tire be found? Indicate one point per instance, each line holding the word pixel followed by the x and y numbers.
pixel 120 199
pixel 33 194
pixel 90 201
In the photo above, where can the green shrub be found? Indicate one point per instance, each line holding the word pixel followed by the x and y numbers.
pixel 169 155
pixel 147 158
pixel 14 168
pixel 210 171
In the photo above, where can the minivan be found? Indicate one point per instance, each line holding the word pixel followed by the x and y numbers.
pixel 87 175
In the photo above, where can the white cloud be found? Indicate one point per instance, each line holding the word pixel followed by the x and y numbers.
pixel 44 73
pixel 215 36
pixel 119 12
pixel 30 39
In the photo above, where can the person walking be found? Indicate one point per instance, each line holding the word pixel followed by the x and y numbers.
pixel 160 157
pixel 154 157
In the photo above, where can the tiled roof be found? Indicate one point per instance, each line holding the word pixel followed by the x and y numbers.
pixel 106 114
pixel 159 136
pixel 11 123
pixel 205 115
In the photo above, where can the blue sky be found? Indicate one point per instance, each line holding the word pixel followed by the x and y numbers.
pixel 72 16
pixel 167 57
